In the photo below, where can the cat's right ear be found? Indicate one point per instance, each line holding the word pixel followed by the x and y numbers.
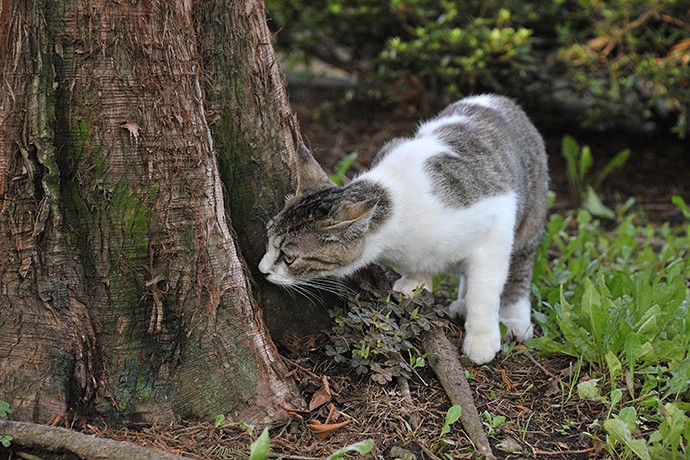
pixel 310 176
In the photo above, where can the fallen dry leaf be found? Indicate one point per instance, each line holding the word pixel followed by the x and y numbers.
pixel 321 397
pixel 324 430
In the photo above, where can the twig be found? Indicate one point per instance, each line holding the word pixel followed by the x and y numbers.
pixel 542 368
pixel 53 439
pixel 445 362
pixel 404 386
pixel 562 452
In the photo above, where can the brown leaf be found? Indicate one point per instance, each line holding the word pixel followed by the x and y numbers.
pixel 321 397
pixel 324 430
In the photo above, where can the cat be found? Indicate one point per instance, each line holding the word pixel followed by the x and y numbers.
pixel 466 195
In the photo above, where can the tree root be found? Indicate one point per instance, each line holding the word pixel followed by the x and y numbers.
pixel 445 362
pixel 54 439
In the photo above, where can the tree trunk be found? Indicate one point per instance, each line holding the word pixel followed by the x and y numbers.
pixel 121 283
pixel 256 136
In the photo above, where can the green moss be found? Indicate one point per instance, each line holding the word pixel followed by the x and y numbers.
pixel 208 387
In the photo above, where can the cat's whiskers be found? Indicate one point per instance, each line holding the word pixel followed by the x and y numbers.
pixel 304 290
pixel 332 285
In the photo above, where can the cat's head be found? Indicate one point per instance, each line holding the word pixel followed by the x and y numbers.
pixel 320 232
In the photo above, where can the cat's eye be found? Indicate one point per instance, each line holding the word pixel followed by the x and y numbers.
pixel 288 259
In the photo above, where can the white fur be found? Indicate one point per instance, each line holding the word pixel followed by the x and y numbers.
pixel 485 100
pixel 427 128
pixel 422 236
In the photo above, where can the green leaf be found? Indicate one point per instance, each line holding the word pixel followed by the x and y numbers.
pixel 633 349
pixel 594 205
pixel 597 316
pixel 570 151
pixel 682 205
pixel 362 447
pixel 585 162
pixel 616 162
pixel 619 431
pixel 629 416
pixel 218 421
pixel 260 448
pixel 589 390
pixel 452 416
pixel 343 167
pixel 4 409
pixel 614 365
pixel 6 441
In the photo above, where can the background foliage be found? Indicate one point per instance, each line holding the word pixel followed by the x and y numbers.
pixel 622 62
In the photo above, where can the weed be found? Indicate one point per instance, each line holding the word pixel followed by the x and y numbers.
pixel 220 423
pixel 619 301
pixel 261 448
pixel 361 447
pixel 343 167
pixel 381 337
pixel 452 416
pixel 443 443
pixel 5 440
pixel 493 422
pixel 581 181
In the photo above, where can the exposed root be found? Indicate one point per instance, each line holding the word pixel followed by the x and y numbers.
pixel 445 362
pixel 54 439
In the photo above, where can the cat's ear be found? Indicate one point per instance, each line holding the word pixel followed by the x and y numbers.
pixel 310 177
pixel 353 217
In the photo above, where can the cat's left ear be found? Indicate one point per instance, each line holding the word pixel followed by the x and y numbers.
pixel 310 176
pixel 354 217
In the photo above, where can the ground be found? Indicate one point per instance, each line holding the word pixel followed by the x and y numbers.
pixel 527 401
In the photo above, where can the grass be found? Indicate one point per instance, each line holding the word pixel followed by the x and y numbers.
pixel 617 296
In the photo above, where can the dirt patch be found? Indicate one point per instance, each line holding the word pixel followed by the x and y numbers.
pixel 532 412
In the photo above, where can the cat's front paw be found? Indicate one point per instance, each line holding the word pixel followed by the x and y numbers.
pixel 409 284
pixel 481 348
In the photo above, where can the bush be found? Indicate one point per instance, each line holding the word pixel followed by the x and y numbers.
pixel 622 62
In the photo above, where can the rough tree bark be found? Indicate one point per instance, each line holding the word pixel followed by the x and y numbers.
pixel 122 289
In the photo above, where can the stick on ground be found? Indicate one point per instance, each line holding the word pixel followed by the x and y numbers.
pixel 445 361
pixel 53 439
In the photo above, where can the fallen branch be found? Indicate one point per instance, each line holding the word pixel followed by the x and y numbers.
pixel 445 361
pixel 54 439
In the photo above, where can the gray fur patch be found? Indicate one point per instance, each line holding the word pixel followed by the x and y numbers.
pixel 491 151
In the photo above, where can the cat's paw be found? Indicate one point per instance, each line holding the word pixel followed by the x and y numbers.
pixel 457 309
pixel 482 348
pixel 520 331
pixel 409 284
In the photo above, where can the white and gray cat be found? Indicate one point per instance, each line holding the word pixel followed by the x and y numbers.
pixel 466 195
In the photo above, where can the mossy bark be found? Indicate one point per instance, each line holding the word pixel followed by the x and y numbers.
pixel 124 287
pixel 256 135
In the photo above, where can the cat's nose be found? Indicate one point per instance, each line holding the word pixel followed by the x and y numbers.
pixel 265 266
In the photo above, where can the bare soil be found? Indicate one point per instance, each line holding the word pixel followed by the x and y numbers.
pixel 543 418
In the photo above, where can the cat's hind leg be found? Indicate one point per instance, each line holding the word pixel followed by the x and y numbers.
pixel 410 282
pixel 457 308
pixel 515 303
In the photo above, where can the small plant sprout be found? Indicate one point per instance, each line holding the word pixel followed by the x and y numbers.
pixel 5 409
pixel 443 443
pixel 493 422
pixel 452 416
pixel 261 448
pixel 5 440
pixel 361 447
pixel 343 167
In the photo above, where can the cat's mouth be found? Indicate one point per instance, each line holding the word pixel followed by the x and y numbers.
pixel 280 280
